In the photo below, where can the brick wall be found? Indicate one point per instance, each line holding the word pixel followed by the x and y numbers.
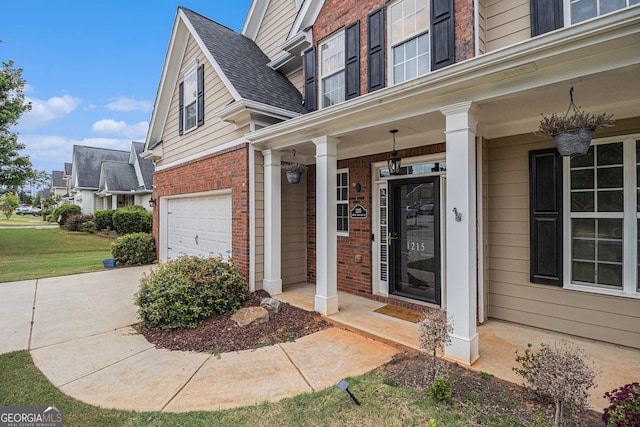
pixel 353 277
pixel 464 29
pixel 223 170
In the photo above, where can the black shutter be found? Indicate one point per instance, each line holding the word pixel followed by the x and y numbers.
pixel 545 216
pixel 442 34
pixel 546 15
pixel 181 109
pixel 352 60
pixel 375 50
pixel 310 79
pixel 201 95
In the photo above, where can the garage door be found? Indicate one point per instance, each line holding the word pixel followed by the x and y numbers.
pixel 199 226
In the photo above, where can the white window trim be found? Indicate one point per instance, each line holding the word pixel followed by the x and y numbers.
pixel 630 215
pixel 323 76
pixel 343 202
pixel 414 35
pixel 190 69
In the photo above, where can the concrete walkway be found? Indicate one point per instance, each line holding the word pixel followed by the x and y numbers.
pixel 78 329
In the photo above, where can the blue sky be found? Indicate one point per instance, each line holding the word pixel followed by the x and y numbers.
pixel 92 68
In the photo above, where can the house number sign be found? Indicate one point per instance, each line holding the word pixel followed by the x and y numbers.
pixel 358 212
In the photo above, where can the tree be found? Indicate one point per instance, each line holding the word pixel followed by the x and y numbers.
pixel 15 169
pixel 8 203
pixel 435 331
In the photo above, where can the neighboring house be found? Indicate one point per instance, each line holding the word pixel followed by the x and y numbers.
pixel 484 218
pixel 108 179
pixel 58 186
pixel 67 179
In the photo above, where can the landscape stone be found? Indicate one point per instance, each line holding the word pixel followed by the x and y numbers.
pixel 250 315
pixel 271 304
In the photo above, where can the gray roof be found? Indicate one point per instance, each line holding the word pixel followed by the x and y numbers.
pixel 46 192
pixel 119 176
pixel 57 179
pixel 67 168
pixel 88 160
pixel 146 165
pixel 245 65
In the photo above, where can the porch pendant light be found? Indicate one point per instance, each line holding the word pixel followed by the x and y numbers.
pixel 394 161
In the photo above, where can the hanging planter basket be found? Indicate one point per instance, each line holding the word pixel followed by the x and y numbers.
pixel 573 132
pixel 573 142
pixel 294 170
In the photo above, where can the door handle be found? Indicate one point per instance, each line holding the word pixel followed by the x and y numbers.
pixel 392 236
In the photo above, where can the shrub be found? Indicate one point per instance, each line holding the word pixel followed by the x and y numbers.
pixel 89 227
pixel 561 372
pixel 132 219
pixel 8 203
pixel 61 213
pixel 75 222
pixel 134 249
pixel 104 219
pixel 625 406
pixel 435 332
pixel 440 390
pixel 45 214
pixel 186 290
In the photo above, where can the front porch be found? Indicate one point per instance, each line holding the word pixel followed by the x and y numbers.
pixel 498 340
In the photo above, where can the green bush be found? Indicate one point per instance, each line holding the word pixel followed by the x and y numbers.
pixel 60 214
pixel 75 222
pixel 89 227
pixel 440 390
pixel 45 214
pixel 132 219
pixel 134 249
pixel 186 290
pixel 104 219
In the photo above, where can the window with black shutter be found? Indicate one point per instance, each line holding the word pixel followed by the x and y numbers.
pixel 310 103
pixel 442 34
pixel 352 60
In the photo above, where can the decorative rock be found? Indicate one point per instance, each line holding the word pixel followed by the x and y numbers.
pixel 250 315
pixel 271 304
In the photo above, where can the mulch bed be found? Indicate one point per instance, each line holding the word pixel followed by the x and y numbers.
pixel 219 334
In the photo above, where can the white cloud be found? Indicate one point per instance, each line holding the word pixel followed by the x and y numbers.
pixel 135 132
pixel 129 104
pixel 45 111
pixel 108 126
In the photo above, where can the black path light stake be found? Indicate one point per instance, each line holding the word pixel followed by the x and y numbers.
pixel 344 386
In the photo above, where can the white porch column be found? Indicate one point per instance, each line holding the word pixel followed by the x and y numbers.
pixel 105 203
pixel 114 201
pixel 272 281
pixel 326 301
pixel 461 231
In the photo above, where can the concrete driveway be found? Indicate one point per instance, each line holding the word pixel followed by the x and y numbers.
pixel 78 329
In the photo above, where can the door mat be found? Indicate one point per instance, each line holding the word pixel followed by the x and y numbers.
pixel 400 313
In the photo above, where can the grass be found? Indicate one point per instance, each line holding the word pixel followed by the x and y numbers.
pixel 28 253
pixel 21 220
pixel 22 384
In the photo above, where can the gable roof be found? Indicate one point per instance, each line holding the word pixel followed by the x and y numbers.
pixel 236 59
pixel 57 179
pixel 146 166
pixel 245 65
pixel 87 162
pixel 118 177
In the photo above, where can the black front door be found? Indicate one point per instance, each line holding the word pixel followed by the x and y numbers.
pixel 414 238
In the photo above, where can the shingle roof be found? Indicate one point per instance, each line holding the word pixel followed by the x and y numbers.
pixel 146 165
pixel 87 162
pixel 245 65
pixel 57 179
pixel 119 176
pixel 67 168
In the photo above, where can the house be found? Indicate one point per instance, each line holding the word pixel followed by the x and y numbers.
pixel 481 217
pixel 108 179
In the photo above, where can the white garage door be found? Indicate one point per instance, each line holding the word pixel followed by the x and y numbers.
pixel 199 226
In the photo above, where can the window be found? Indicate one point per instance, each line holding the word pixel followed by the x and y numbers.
pixel 581 10
pixel 408 32
pixel 190 97
pixel 343 202
pixel 603 224
pixel 332 70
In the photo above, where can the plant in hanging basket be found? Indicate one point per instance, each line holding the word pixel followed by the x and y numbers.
pixel 294 171
pixel 573 132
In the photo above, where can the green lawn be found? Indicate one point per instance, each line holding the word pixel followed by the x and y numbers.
pixel 17 220
pixel 28 253
pixel 21 383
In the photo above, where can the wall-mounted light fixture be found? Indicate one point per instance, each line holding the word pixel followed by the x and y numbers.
pixel 394 161
pixel 152 202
